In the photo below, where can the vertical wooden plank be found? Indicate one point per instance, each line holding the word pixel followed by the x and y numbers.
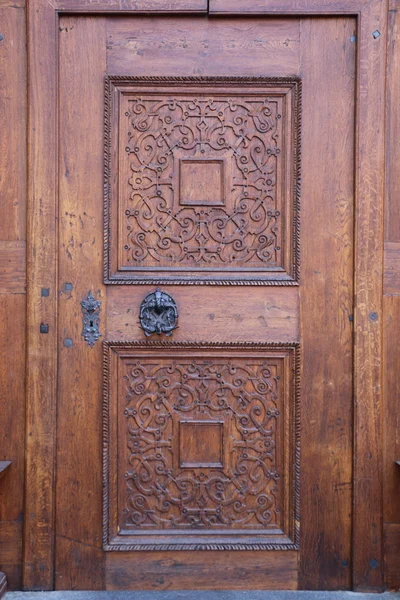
pixel 391 481
pixel 391 386
pixel 392 196
pixel 326 301
pixel 42 265
pixel 12 123
pixel 370 157
pixel 79 413
pixel 12 432
pixel 12 283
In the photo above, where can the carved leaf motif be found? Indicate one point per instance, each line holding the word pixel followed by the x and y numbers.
pixel 244 399
pixel 224 152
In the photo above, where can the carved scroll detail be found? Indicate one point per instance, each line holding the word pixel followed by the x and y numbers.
pixel 237 486
pixel 203 181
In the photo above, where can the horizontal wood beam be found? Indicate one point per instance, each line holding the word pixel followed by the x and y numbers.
pixel 292 7
pixel 131 6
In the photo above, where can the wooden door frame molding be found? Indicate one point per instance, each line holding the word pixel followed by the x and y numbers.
pixel 43 30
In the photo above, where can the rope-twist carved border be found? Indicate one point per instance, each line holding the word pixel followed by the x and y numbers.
pixel 108 347
pixel 127 80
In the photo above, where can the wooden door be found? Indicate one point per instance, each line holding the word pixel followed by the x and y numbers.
pixel 211 159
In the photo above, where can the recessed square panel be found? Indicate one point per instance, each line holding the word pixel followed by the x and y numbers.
pixel 202 180
pixel 201 442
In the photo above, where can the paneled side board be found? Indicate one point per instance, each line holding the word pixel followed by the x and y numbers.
pixel 13 82
pixel 391 307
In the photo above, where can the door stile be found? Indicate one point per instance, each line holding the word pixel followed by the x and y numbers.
pixel 368 560
pixel 41 360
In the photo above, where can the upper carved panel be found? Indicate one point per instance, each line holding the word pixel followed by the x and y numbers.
pixel 202 180
pixel 203 446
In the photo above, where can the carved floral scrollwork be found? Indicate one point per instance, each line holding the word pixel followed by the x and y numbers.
pixel 240 228
pixel 244 492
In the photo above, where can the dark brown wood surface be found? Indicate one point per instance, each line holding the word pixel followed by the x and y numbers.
pixel 38 567
pixel 13 81
pixel 70 502
pixel 391 306
pixel 227 314
pixel 326 303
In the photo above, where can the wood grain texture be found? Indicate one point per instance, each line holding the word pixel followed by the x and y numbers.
pixel 273 317
pixel 391 386
pixel 391 273
pixel 202 570
pixel 11 551
pixel 370 177
pixel 13 268
pixel 392 197
pixel 326 301
pixel 392 556
pixel 81 565
pixel 132 6
pixel 13 107
pixel 13 122
pixel 303 7
pixel 246 229
pixel 174 46
pixel 155 390
pixel 12 426
pixel 42 263
pixel 78 482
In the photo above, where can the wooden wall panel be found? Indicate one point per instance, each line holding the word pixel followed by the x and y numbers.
pixel 328 65
pixel 12 284
pixel 391 490
pixel 202 570
pixel 196 52
pixel 392 207
pixel 79 448
pixel 391 306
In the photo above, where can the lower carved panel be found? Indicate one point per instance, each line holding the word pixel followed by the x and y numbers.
pixel 201 446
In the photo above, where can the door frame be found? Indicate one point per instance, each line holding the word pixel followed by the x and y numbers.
pixel 43 30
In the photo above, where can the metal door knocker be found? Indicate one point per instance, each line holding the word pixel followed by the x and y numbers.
pixel 158 313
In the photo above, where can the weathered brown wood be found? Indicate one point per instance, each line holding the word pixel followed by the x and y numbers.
pixel 13 105
pixel 391 274
pixel 329 229
pixel 81 565
pixel 12 267
pixel 391 382
pixel 13 121
pixel 132 6
pixel 201 239
pixel 206 49
pixel 392 197
pixel 11 550
pixel 303 7
pixel 78 481
pixel 42 263
pixel 392 556
pixel 274 314
pixel 202 570
pixel 138 376
pixel 328 66
pixel 370 174
pixel 12 427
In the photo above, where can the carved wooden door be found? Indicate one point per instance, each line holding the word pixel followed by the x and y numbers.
pixel 180 424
